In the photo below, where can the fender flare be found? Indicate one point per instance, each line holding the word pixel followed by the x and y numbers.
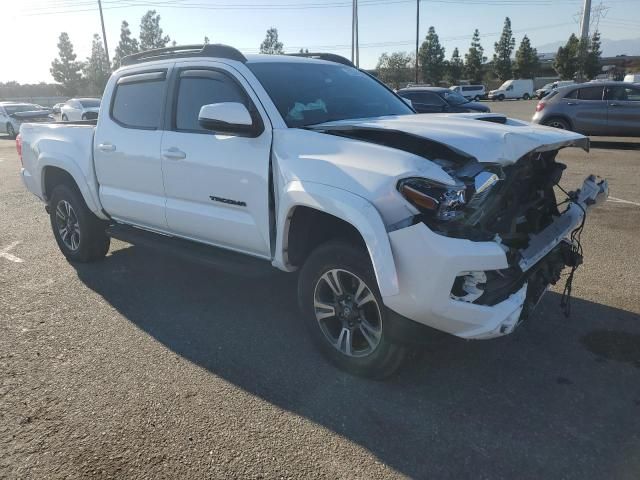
pixel 351 208
pixel 68 165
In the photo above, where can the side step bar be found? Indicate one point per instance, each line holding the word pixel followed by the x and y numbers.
pixel 218 258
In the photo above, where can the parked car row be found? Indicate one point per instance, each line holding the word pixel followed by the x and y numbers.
pixel 596 108
pixel 13 114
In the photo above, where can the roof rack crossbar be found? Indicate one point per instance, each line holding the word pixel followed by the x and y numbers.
pixel 329 57
pixel 179 51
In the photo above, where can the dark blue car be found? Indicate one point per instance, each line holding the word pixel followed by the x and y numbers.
pixel 438 100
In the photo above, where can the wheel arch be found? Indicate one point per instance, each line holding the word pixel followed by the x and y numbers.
pixel 310 214
pixel 53 174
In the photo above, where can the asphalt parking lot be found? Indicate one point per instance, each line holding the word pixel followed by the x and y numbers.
pixel 142 366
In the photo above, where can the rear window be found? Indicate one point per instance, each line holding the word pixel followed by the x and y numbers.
pixel 590 93
pixel 138 104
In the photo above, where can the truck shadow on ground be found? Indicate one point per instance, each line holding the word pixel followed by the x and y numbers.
pixel 559 398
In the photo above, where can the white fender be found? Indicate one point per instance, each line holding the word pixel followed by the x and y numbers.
pixel 351 208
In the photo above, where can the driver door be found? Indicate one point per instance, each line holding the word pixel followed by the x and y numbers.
pixel 216 186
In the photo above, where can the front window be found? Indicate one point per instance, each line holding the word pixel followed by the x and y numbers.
pixel 454 98
pixel 312 93
pixel 90 103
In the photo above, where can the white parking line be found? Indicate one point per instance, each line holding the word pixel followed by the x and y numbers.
pixel 4 253
pixel 619 200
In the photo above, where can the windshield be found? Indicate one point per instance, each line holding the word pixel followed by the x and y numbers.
pixel 21 108
pixel 454 98
pixel 90 103
pixel 548 86
pixel 311 93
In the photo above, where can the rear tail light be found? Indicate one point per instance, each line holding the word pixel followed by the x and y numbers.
pixel 540 106
pixel 19 147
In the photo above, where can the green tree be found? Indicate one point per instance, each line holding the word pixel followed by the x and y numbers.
pixel 503 49
pixel 396 69
pixel 566 61
pixel 591 58
pixel 304 50
pixel 473 59
pixel 431 57
pixel 126 46
pixel 206 40
pixel 270 45
pixel 527 61
pixel 151 35
pixel 97 69
pixel 65 69
pixel 455 67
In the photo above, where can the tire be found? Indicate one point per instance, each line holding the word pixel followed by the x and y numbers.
pixel 84 117
pixel 559 123
pixel 526 96
pixel 86 240
pixel 11 131
pixel 501 97
pixel 65 118
pixel 476 98
pixel 363 327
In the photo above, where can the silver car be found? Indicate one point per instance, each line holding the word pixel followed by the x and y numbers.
pixel 596 108
pixel 12 115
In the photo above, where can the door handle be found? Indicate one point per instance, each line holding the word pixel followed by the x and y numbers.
pixel 107 147
pixel 571 103
pixel 615 105
pixel 174 153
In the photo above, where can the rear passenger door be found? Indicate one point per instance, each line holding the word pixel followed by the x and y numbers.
pixel 127 149
pixel 217 186
pixel 587 110
pixel 623 110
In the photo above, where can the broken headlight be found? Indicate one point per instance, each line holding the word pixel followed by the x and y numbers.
pixel 434 200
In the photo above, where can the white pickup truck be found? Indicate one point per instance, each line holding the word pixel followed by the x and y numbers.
pixel 396 222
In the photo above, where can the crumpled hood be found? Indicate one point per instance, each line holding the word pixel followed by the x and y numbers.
pixel 486 137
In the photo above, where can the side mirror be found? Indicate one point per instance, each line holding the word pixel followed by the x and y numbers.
pixel 231 118
pixel 407 101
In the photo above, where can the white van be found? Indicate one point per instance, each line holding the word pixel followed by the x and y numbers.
pixel 632 78
pixel 522 88
pixel 470 92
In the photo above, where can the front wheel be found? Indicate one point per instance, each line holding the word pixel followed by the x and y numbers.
pixel 343 310
pixel 501 97
pixel 80 235
pixel 476 98
pixel 11 131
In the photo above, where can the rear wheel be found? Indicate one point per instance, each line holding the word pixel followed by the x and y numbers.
pixel 343 310
pixel 476 98
pixel 65 118
pixel 79 233
pixel 84 117
pixel 558 123
pixel 526 96
pixel 11 131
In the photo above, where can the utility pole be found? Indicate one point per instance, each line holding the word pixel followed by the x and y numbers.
pixel 104 35
pixel 357 38
pixel 586 18
pixel 353 30
pixel 417 34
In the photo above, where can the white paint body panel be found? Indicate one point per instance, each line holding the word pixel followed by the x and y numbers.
pixel 128 174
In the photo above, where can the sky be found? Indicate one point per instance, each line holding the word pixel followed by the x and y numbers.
pixel 29 29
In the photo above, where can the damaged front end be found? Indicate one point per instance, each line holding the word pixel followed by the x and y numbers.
pixel 517 207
